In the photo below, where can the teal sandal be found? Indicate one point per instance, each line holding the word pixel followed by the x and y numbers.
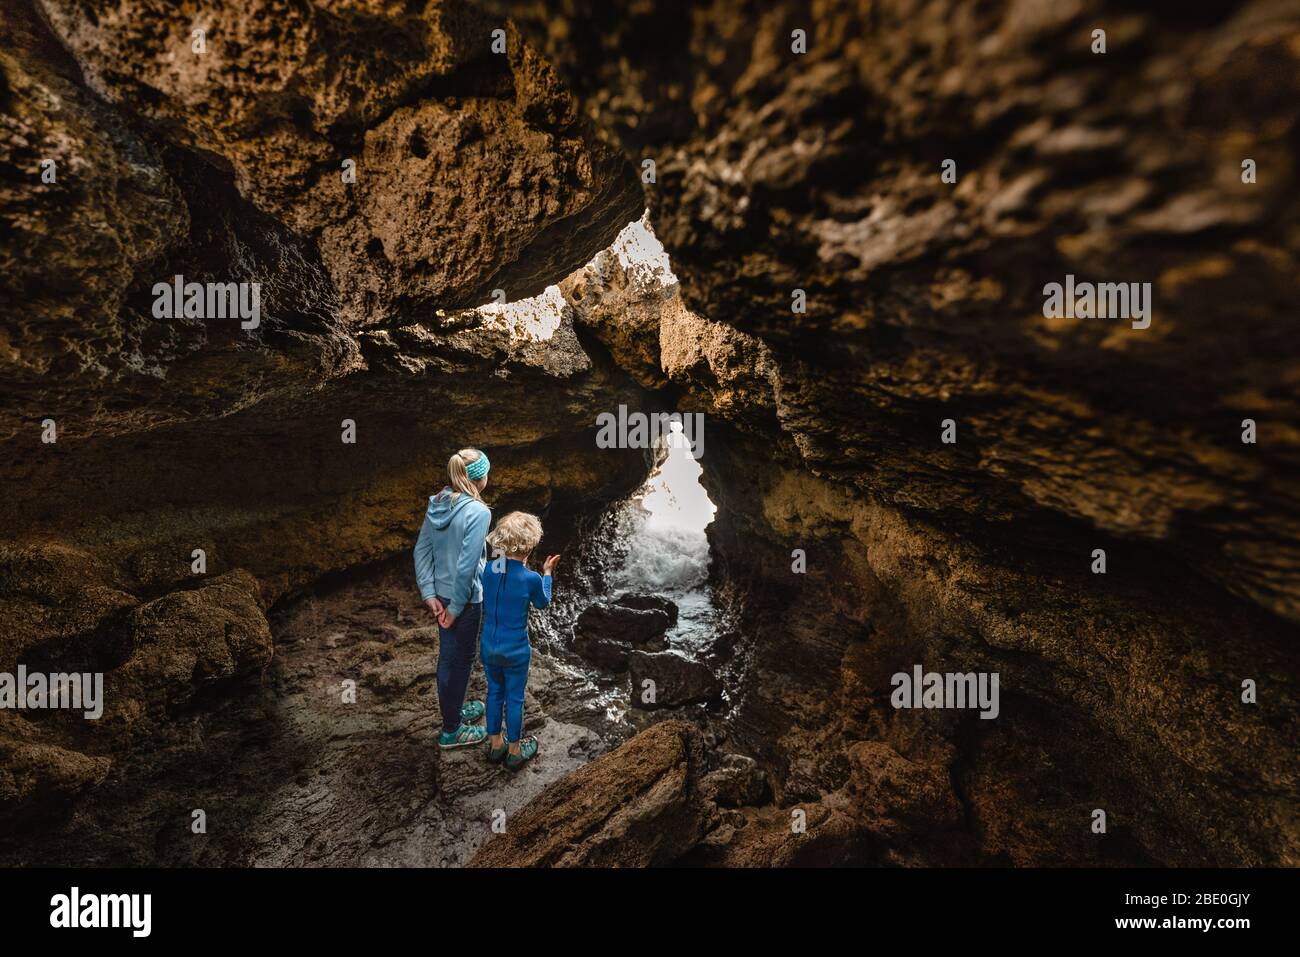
pixel 471 711
pixel 527 751
pixel 497 755
pixel 466 735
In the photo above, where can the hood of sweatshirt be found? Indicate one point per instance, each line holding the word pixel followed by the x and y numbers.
pixel 444 506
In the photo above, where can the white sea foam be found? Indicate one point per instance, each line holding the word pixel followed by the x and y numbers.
pixel 665 560
pixel 664 526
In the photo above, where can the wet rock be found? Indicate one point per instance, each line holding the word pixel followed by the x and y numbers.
pixel 644 601
pixel 1072 434
pixel 395 676
pixel 158 174
pixel 603 652
pixel 640 805
pixel 1084 419
pixel 924 302
pixel 606 631
pixel 678 680
pixel 635 625
pixel 312 780
pixel 736 783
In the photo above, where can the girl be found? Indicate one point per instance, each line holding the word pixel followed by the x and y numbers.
pixel 509 587
pixel 448 568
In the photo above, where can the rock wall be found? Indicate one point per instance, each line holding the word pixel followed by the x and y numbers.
pixel 377 168
pixel 821 172
pixel 1124 697
pixel 132 440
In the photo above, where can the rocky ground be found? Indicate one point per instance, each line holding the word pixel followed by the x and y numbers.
pixel 289 774
pixel 291 769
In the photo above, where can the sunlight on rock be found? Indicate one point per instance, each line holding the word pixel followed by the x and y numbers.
pixel 536 319
pixel 528 320
pixel 638 250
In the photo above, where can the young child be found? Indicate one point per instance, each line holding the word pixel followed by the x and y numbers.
pixel 509 587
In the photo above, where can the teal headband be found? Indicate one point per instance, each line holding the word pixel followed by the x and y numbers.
pixel 479 467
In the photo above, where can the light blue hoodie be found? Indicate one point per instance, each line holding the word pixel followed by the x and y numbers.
pixel 449 556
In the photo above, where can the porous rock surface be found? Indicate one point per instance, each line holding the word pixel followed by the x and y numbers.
pixel 775 171
pixel 820 172
pixel 167 481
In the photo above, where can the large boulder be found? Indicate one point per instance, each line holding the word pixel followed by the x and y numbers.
pixel 638 806
pixel 623 622
pixel 647 601
pixel 604 653
pixel 188 640
pixel 606 631
pixel 678 680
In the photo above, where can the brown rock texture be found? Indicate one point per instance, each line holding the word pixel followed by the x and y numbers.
pixel 638 806
pixel 782 179
pixel 820 172
pixel 187 641
pixel 74 245
pixel 484 150
pixel 288 772
pixel 1125 697
pixel 35 773
pixel 132 441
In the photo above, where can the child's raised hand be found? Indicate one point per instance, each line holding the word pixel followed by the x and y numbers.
pixel 548 566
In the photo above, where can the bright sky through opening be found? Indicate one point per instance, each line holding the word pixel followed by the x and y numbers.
pixel 674 496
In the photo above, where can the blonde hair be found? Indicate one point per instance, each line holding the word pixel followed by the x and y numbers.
pixel 516 534
pixel 460 480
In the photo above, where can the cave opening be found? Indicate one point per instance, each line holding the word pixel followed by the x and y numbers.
pixel 665 548
pixel 641 556
pixel 639 596
pixel 915 466
pixel 352 657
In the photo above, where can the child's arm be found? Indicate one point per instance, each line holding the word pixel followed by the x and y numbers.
pixel 539 590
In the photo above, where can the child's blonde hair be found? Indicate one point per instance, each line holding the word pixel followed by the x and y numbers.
pixel 516 534
pixel 460 480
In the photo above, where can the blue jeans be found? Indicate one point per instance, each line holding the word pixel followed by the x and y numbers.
pixel 506 679
pixel 457 646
